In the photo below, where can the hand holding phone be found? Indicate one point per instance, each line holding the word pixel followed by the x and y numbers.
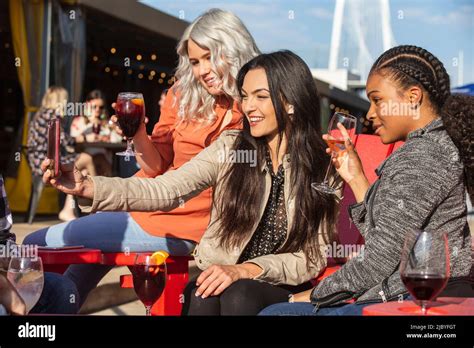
pixel 54 135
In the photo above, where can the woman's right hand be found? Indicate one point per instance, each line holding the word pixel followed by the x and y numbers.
pixel 70 180
pixel 347 161
pixel 349 166
pixel 116 127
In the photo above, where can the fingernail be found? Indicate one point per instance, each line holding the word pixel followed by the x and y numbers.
pixel 197 294
pixel 204 296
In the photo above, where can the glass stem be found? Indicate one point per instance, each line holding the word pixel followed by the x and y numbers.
pixel 423 307
pixel 148 311
pixel 325 181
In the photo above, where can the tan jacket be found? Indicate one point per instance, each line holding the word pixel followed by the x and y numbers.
pixel 168 191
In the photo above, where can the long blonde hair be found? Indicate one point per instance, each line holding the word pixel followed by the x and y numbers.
pixel 231 46
pixel 55 98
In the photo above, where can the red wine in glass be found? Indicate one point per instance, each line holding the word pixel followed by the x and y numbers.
pixel 425 265
pixel 130 109
pixel 149 280
pixel 424 287
pixel 149 283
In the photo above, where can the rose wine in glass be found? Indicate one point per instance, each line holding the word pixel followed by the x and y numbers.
pixel 130 109
pixel 424 266
pixel 335 142
pixel 26 275
pixel 149 279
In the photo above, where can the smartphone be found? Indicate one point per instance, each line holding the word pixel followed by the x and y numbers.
pixel 54 136
pixel 66 247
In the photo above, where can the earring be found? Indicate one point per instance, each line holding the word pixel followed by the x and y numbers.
pixel 291 110
pixel 414 107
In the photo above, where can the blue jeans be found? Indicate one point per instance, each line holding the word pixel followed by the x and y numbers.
pixel 307 309
pixel 59 296
pixel 109 232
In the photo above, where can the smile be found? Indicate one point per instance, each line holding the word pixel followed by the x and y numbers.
pixel 210 82
pixel 255 119
pixel 377 129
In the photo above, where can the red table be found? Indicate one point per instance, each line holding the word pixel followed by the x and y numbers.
pixel 59 260
pixel 442 306
pixel 171 300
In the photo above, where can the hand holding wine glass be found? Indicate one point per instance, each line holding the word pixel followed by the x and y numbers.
pixel 345 158
pixel 340 130
pixel 141 130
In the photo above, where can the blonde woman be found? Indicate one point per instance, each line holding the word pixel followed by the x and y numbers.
pixel 54 102
pixel 197 109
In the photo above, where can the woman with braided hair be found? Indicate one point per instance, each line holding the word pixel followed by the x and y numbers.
pixel 422 185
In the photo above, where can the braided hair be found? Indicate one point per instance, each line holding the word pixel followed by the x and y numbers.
pixel 409 65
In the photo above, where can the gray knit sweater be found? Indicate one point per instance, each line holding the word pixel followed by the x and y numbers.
pixel 420 186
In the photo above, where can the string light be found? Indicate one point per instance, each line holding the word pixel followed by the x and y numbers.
pixel 153 57
pixel 115 73
pixel 113 50
pixel 130 71
pixel 95 58
pixel 142 67
pixel 140 76
pixel 139 57
pixel 150 77
pixel 152 73
pixel 163 75
pixel 107 69
pixel 160 81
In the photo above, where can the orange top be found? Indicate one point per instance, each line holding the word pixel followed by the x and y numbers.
pixel 177 144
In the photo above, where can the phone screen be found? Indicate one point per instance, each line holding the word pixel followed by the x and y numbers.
pixel 54 133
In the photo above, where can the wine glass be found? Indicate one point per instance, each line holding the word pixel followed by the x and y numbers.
pixel 130 109
pixel 424 266
pixel 149 279
pixel 335 141
pixel 26 275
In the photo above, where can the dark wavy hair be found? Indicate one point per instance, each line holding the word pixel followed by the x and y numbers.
pixel 409 66
pixel 290 81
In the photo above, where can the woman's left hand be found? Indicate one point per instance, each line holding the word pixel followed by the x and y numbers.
pixel 214 280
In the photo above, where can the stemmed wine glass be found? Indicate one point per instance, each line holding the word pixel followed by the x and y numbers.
pixel 424 266
pixel 26 275
pixel 130 109
pixel 149 279
pixel 335 141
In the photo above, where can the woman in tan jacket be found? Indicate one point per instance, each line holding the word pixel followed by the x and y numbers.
pixel 268 229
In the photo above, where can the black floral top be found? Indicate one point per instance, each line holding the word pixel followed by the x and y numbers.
pixel 271 231
pixel 38 142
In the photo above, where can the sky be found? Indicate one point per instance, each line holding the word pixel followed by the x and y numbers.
pixel 443 27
